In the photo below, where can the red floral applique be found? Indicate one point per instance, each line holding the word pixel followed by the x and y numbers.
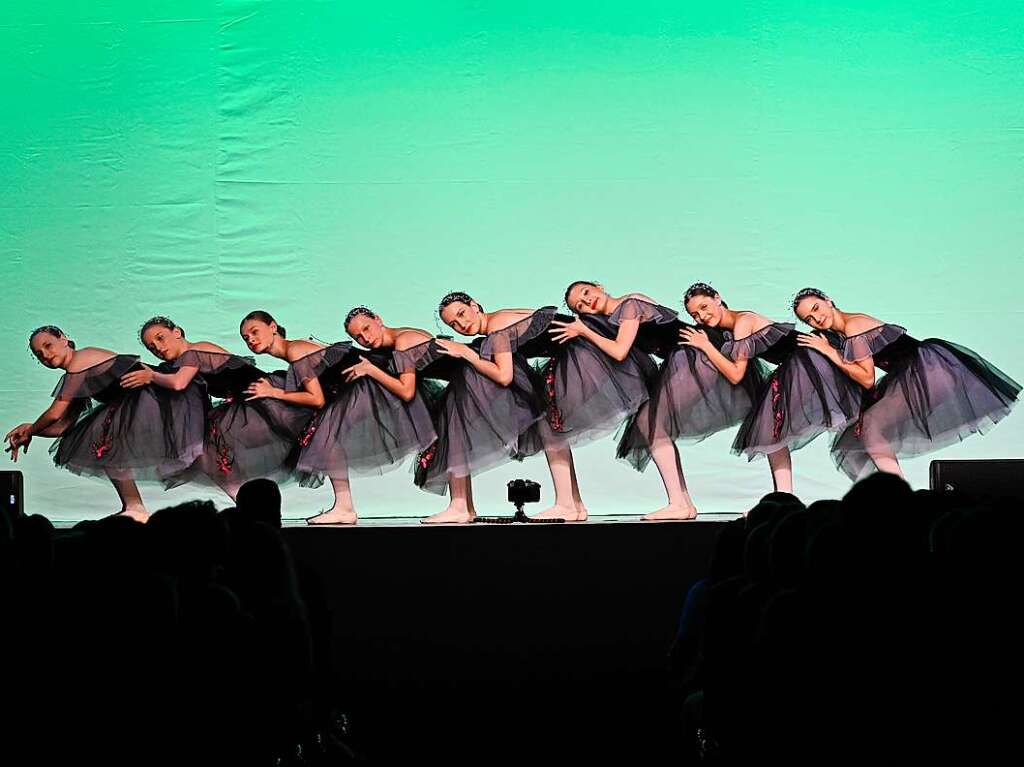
pixel 225 458
pixel 106 440
pixel 426 458
pixel 309 431
pixel 553 414
pixel 778 411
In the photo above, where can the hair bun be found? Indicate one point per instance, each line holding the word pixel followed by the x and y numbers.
pixel 452 297
pixel 807 293
pixel 358 311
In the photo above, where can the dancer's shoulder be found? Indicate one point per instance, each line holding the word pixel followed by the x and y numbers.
pixel 748 322
pixel 207 346
pixel 406 338
pixel 858 323
pixel 300 348
pixel 89 356
pixel 504 318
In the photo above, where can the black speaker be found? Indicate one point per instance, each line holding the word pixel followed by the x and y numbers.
pixel 12 494
pixel 997 478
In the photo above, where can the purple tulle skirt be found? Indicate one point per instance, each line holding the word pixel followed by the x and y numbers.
pixel 248 440
pixel 363 430
pixel 804 397
pixel 480 425
pixel 589 395
pixel 934 395
pixel 147 433
pixel 690 401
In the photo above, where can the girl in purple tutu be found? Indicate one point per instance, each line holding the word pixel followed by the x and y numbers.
pixel 598 381
pixel 144 425
pixel 245 439
pixel 492 409
pixel 691 399
pixel 613 377
pixel 372 415
pixel 934 393
pixel 801 399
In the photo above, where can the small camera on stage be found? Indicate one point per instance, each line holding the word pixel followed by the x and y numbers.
pixel 522 491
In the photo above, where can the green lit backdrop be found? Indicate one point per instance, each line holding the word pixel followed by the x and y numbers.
pixel 201 159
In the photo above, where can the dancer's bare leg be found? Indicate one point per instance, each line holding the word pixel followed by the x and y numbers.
pixel 781 464
pixel 229 486
pixel 680 505
pixel 886 461
pixel 566 490
pixel 131 500
pixel 342 512
pixel 461 509
pixel 581 510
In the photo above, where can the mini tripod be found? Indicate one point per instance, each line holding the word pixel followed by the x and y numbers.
pixel 519 516
pixel 520 492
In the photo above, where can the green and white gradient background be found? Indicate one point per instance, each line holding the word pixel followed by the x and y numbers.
pixel 201 159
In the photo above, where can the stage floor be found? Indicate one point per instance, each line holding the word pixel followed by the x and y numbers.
pixel 592 520
pixel 364 522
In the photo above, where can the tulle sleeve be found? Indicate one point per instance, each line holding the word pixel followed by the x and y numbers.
pixel 757 343
pixel 314 364
pixel 91 381
pixel 416 357
pixel 644 311
pixel 212 362
pixel 870 342
pixel 518 333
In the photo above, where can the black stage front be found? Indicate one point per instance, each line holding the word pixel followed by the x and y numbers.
pixel 440 633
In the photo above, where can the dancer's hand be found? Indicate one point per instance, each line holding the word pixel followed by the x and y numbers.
pixel 17 438
pixel 566 331
pixel 696 338
pixel 19 432
pixel 137 378
pixel 262 389
pixel 818 343
pixel 453 348
pixel 362 368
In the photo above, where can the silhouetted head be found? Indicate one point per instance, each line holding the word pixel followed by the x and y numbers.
pixel 460 312
pixel 727 557
pixel 189 539
pixel 51 347
pixel 260 500
pixel 261 572
pixel 786 548
pixel 828 510
pixel 787 501
pixel 365 326
pixel 876 514
pixel 766 512
pixel 586 297
pixel 704 304
pixel 259 331
pixel 876 491
pixel 814 308
pixel 755 553
pixel 164 339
